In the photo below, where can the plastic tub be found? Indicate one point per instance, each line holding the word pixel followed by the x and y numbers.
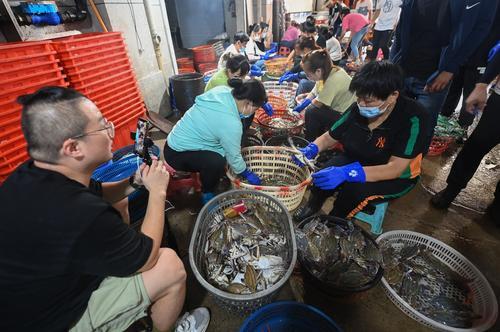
pixel 288 316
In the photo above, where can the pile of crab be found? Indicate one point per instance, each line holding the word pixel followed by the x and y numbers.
pixel 245 249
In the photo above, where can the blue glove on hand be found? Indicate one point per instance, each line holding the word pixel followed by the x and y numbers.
pixel 309 152
pixel 251 177
pixel 299 108
pixel 288 76
pixel 268 108
pixel 494 50
pixel 331 177
pixel 256 72
pixel 274 48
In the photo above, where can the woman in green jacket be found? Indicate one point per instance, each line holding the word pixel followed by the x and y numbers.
pixel 209 134
pixel 237 66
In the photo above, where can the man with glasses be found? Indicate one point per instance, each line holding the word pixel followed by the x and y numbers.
pixel 67 260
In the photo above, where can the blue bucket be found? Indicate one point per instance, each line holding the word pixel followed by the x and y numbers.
pixel 287 316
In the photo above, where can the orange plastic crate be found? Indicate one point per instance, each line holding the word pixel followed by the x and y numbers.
pixel 8 165
pixel 98 75
pixel 121 115
pixel 23 49
pixel 11 147
pixel 106 90
pixel 83 71
pixel 104 83
pixel 95 56
pixel 86 39
pixel 18 70
pixel 10 96
pixel 110 94
pixel 79 51
pixel 122 132
pixel 121 102
pixel 30 78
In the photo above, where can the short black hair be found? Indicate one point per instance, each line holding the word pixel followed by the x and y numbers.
pixel 241 37
pixel 345 11
pixel 308 27
pixel 238 62
pixel 253 28
pixel 264 25
pixel 377 79
pixel 251 90
pixel 50 116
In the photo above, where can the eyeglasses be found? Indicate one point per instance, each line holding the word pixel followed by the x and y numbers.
pixel 108 126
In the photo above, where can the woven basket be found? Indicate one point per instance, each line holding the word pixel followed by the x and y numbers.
pixel 237 303
pixel 277 102
pixel 267 131
pixel 285 90
pixel 484 299
pixel 439 145
pixel 274 160
pixel 276 67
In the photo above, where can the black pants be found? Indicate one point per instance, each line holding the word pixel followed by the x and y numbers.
pixel 380 41
pixel 484 138
pixel 353 197
pixel 319 120
pixel 209 164
pixel 464 80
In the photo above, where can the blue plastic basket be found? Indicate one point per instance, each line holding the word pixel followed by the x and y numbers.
pixel 287 316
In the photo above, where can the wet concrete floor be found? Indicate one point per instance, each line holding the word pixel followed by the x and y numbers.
pixel 474 235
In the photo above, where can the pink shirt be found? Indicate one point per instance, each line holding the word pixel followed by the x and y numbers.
pixel 292 33
pixel 354 22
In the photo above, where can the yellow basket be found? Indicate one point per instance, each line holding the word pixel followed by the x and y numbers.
pixel 274 160
pixel 276 67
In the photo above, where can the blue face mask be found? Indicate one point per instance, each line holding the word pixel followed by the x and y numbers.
pixel 242 51
pixel 370 111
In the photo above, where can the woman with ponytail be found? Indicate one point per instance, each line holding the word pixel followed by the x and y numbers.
pixel 330 96
pixel 209 134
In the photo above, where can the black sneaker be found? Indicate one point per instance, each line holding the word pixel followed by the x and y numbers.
pixel 442 200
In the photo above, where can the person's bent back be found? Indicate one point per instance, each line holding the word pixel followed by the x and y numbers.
pixel 67 260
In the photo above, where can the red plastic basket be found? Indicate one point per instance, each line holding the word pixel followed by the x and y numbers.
pixel 18 71
pixel 95 56
pixel 80 50
pixel 98 75
pixel 439 145
pixel 85 71
pixel 267 130
pixel 204 53
pixel 123 130
pixel 104 83
pixel 10 96
pixel 109 94
pixel 86 39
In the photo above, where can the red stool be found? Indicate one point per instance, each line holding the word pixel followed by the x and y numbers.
pixel 177 184
pixel 284 51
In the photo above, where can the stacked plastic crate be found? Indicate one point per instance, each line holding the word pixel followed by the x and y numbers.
pixel 205 58
pixel 97 65
pixel 24 68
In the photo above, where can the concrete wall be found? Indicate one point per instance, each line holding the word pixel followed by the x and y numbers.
pixel 293 6
pixel 130 18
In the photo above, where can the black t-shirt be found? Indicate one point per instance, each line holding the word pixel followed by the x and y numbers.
pixel 58 241
pixel 402 135
pixel 429 32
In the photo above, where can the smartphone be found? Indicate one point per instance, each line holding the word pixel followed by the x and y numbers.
pixel 141 134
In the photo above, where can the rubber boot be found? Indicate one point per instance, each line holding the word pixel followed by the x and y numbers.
pixel 442 200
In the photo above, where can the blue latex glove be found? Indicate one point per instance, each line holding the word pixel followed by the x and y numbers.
pixel 494 50
pixel 299 108
pixel 309 152
pixel 268 109
pixel 251 177
pixel 256 72
pixel 266 56
pixel 274 47
pixel 288 76
pixel 331 177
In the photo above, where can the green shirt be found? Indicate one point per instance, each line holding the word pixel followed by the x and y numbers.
pixel 219 78
pixel 334 92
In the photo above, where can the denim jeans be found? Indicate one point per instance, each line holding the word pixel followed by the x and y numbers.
pixel 356 41
pixel 432 102
pixel 305 86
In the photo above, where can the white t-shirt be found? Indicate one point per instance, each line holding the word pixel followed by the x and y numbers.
pixel 334 49
pixel 363 7
pixel 389 14
pixel 253 51
pixel 230 49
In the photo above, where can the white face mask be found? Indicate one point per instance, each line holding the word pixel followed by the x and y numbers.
pixel 242 50
pixel 264 35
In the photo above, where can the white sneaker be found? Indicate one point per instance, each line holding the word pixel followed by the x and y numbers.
pixel 193 321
